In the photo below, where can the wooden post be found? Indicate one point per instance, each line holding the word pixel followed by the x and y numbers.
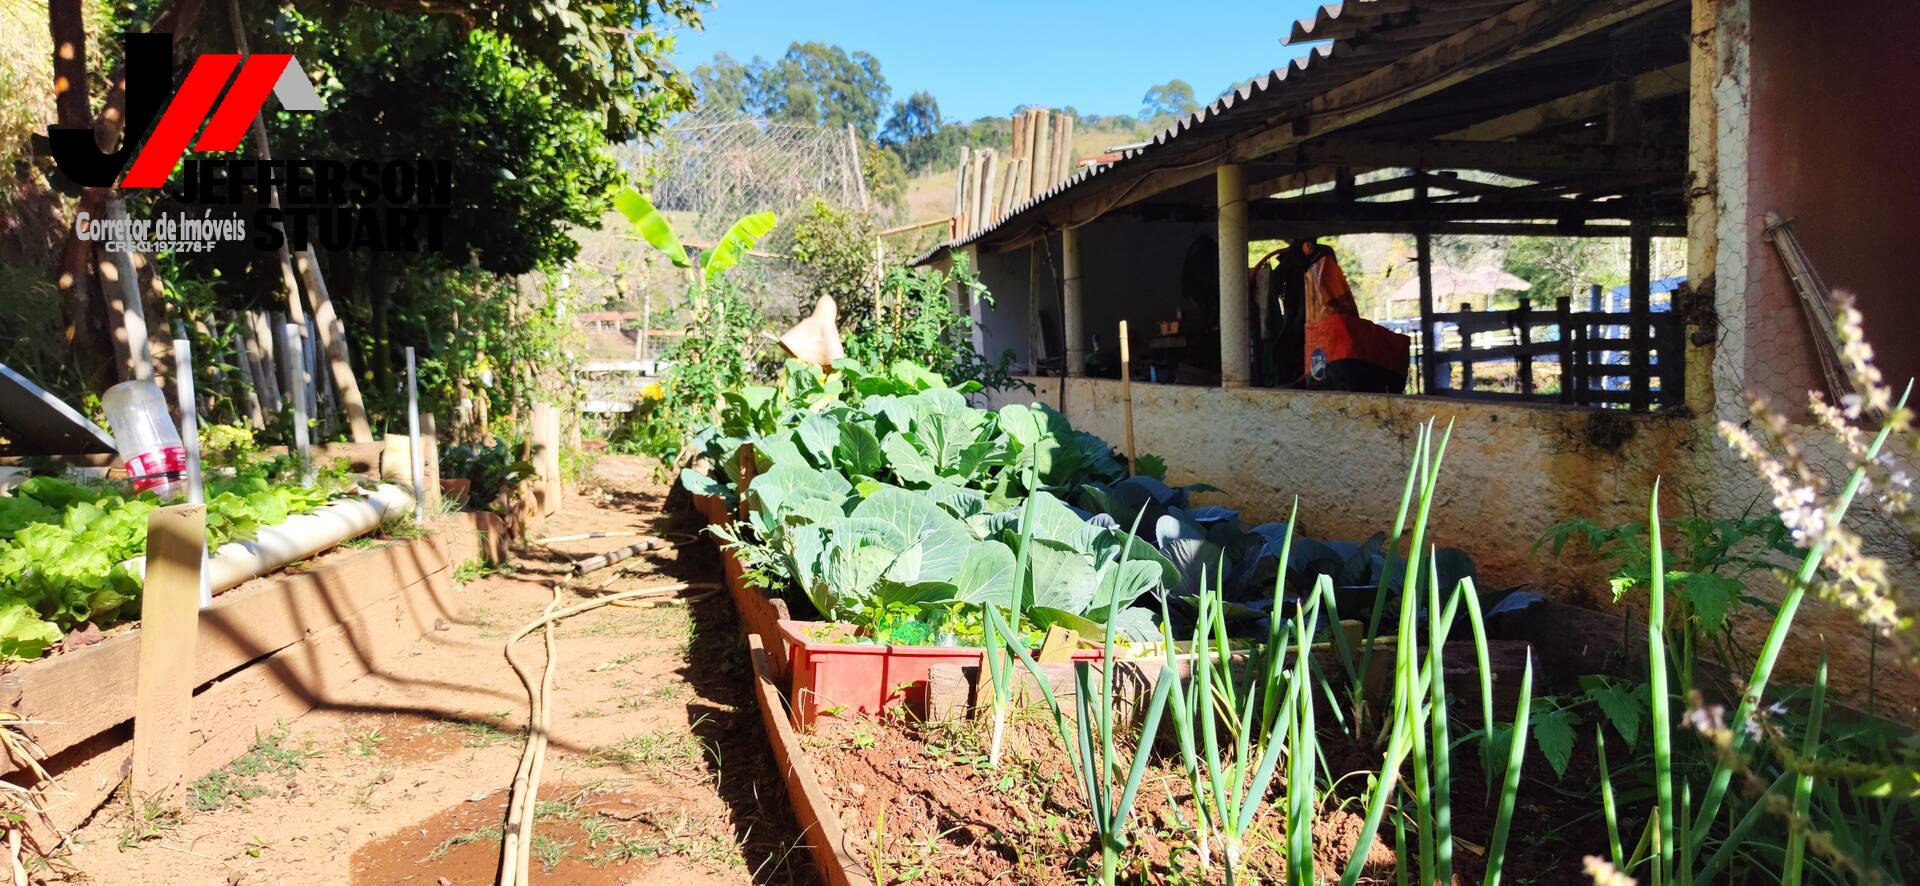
pixel 247 378
pixel 1029 141
pixel 269 366
pixel 121 283
pixel 169 622
pixel 1042 145
pixel 333 340
pixel 1563 319
pixel 1126 392
pixel 990 190
pixel 544 435
pixel 1466 350
pixel 960 192
pixel 1230 181
pixel 1423 266
pixel 1063 166
pixel 1640 287
pixel 1073 322
pixel 1525 363
pixel 859 172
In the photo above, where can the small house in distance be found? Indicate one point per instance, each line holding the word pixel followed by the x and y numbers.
pixel 1624 119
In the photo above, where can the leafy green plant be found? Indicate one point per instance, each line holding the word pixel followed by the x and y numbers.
pixel 489 467
pixel 63 547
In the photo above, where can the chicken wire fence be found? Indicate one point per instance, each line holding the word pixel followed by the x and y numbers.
pixel 705 171
pixel 709 168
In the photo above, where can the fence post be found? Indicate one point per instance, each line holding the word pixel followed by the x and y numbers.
pixel 1562 316
pixel 1525 363
pixel 1466 348
pixel 169 621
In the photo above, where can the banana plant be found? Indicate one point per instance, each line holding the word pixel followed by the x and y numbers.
pixel 653 227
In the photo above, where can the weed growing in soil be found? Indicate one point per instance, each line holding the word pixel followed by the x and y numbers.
pixel 366 744
pixel 658 755
pixel 490 834
pixel 483 732
pixel 550 852
pixel 236 784
pixel 148 819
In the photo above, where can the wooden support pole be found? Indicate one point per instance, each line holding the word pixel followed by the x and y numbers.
pixel 1423 266
pixel 1466 351
pixel 1126 394
pixel 1235 351
pixel 990 190
pixel 859 172
pixel 1563 320
pixel 169 624
pixel 120 283
pixel 1042 148
pixel 1074 323
pixel 1063 151
pixel 960 191
pixel 1639 309
pixel 333 339
pixel 1525 363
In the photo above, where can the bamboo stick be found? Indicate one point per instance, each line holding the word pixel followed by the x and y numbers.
pixel 1126 392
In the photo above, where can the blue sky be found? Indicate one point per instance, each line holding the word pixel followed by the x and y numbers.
pixel 984 57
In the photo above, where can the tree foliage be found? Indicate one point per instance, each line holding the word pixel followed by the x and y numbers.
pixel 814 84
pixel 1168 102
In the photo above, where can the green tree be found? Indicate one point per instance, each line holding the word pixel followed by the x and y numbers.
pixel 1168 101
pixel 817 84
pixel 1558 266
pixel 723 84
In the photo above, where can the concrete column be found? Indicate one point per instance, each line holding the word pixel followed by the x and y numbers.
pixel 1074 323
pixel 1231 182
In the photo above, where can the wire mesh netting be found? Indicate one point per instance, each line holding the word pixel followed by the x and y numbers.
pixel 710 167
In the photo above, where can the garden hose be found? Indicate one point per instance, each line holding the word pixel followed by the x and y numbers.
pixel 516 841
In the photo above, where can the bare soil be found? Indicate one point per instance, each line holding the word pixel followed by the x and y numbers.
pixel 658 769
pixel 920 800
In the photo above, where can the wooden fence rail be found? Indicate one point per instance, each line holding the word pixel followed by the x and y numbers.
pixel 1644 372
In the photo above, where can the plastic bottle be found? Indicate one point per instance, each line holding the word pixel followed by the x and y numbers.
pixel 144 433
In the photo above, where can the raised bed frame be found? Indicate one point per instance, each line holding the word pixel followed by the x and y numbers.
pixel 265 652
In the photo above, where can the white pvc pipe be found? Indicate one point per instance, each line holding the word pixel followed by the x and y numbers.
pixel 300 537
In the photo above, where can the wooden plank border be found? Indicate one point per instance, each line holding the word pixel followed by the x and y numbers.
pixel 813 810
pixel 280 648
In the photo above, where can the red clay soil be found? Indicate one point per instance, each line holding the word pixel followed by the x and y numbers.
pixel 919 799
pixel 658 770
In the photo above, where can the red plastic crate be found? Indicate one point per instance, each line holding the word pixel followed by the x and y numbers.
pixel 830 676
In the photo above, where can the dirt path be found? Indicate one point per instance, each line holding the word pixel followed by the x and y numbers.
pixel 657 772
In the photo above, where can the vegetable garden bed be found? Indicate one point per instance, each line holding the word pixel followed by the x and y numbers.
pixel 268 650
pixel 1261 704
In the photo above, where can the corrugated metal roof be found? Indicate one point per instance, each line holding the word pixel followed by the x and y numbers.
pixel 1366 35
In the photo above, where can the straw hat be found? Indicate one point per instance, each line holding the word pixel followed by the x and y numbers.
pixel 816 339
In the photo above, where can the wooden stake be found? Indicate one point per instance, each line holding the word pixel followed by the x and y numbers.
pixel 1126 391
pixel 1043 143
pixel 169 622
pixel 1064 170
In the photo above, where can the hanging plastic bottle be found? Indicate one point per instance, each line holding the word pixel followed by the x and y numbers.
pixel 144 433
